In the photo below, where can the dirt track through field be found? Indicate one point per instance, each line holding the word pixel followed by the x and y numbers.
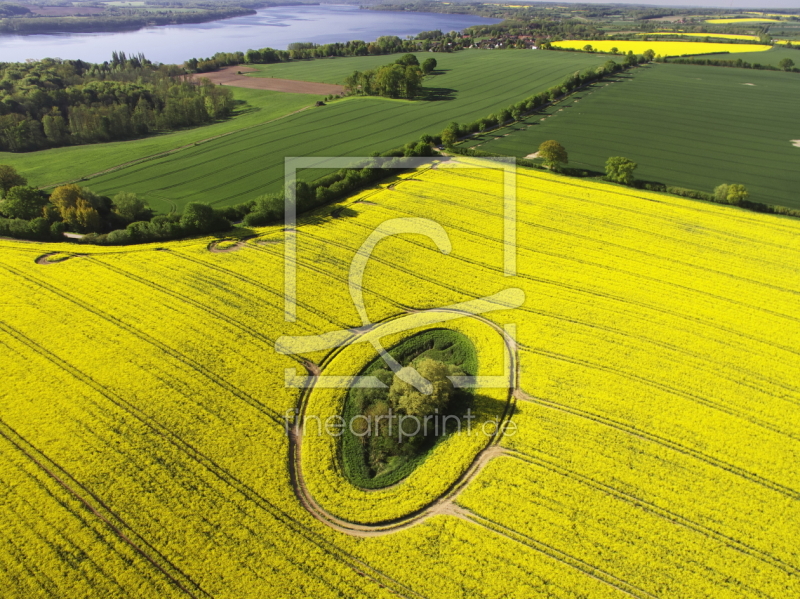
pixel 231 76
pixel 444 504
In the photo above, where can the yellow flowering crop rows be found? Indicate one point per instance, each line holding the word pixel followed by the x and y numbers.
pixel 662 48
pixel 143 405
pixel 745 20
pixel 725 36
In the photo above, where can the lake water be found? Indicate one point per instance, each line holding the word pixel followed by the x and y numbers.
pixel 274 27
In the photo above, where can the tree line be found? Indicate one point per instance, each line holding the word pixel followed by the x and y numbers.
pixel 53 103
pixel 387 44
pixel 451 134
pixel 785 64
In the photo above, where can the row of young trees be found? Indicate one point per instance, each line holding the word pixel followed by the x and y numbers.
pixel 53 103
pixel 401 79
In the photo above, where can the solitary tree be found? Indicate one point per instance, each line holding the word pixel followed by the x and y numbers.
pixel 620 170
pixel 649 54
pixel 787 64
pixel 553 154
pixel 23 202
pixel 10 178
pixel 587 48
pixel 404 396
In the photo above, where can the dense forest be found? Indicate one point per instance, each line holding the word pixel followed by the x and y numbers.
pixel 54 103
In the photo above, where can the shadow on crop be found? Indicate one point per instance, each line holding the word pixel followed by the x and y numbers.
pixel 437 94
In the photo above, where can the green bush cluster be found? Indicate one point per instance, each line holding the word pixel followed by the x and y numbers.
pixel 442 345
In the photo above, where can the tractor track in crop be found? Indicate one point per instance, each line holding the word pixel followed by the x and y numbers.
pixel 298 528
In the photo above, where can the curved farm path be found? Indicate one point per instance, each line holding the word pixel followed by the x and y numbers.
pixel 444 504
pixel 214 248
pixel 44 259
pixel 231 76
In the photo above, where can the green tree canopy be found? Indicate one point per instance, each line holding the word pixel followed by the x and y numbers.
pixel 408 60
pixel 23 202
pixel 553 154
pixel 201 218
pixel 737 193
pixel 130 207
pixel 403 395
pixel 620 170
pixel 9 177
pixel 787 64
pixel 78 207
pixel 429 65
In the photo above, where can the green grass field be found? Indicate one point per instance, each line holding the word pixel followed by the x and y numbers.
pixel 238 167
pixel 770 57
pixel 690 126
pixel 51 167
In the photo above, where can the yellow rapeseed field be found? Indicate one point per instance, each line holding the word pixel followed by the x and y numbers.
pixel 745 20
pixel 662 48
pixel 724 36
pixel 655 450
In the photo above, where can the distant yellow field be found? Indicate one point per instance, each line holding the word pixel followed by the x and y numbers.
pixel 724 36
pixel 784 42
pixel 662 48
pixel 765 14
pixel 759 20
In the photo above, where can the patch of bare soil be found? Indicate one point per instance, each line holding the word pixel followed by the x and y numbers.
pixel 796 143
pixel 753 84
pixel 230 76
pixel 534 155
